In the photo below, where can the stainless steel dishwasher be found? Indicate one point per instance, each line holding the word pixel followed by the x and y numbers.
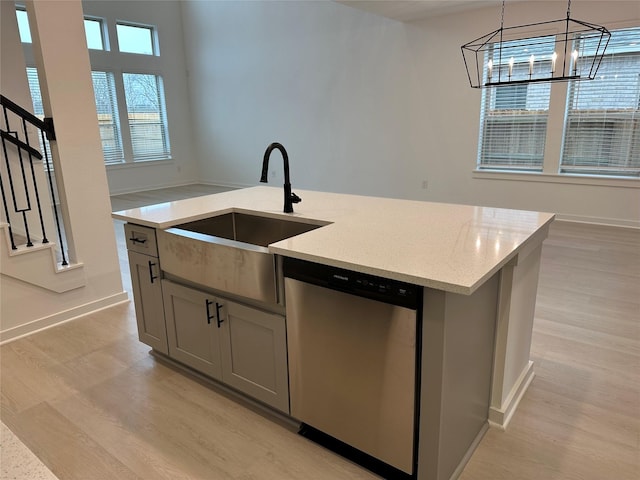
pixel 354 363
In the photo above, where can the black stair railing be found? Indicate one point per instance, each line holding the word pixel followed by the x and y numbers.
pixel 18 181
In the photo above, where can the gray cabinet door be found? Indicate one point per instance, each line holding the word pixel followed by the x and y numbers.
pixel 254 354
pixel 147 297
pixel 192 328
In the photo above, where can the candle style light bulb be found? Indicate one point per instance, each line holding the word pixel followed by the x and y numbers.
pixel 574 55
pixel 511 61
pixel 489 69
pixel 554 57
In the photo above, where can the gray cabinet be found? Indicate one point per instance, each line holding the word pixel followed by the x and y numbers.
pixel 242 346
pixel 254 354
pixel 144 267
pixel 192 328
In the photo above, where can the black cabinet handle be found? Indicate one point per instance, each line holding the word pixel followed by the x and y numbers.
pixel 208 303
pixel 138 240
pixel 218 317
pixel 152 277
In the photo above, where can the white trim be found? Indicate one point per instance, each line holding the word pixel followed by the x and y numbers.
pixel 182 184
pixel 595 180
pixel 229 184
pixel 467 456
pixel 139 163
pixel 500 417
pixel 148 188
pixel 44 323
pixel 612 222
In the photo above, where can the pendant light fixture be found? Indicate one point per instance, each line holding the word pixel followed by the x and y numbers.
pixel 551 51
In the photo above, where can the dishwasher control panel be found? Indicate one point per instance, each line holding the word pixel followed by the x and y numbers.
pixel 356 283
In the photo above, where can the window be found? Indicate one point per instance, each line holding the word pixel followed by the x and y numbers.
pixel 601 133
pixel 146 114
pixel 602 125
pixel 34 87
pixel 108 119
pixel 23 25
pixel 93 32
pixel 514 117
pixel 135 39
pixel 38 109
pixel 133 100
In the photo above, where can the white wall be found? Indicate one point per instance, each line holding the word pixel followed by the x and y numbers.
pixel 365 104
pixel 166 16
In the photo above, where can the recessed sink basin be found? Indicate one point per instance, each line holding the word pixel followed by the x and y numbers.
pixel 228 252
pixel 248 228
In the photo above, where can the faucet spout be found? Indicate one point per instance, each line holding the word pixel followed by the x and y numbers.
pixel 289 197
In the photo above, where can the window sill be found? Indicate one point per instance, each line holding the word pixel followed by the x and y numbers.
pixel 601 181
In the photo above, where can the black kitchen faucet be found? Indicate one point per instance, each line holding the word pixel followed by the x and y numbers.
pixel 289 197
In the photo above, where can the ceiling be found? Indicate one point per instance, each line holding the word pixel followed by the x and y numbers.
pixel 406 10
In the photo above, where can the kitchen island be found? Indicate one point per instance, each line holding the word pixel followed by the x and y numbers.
pixel 478 267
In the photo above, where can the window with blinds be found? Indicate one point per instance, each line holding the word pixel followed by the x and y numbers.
pixel 602 123
pixel 38 109
pixel 107 108
pixel 147 116
pixel 143 104
pixel 513 118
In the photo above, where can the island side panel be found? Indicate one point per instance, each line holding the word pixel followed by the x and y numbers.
pixel 457 360
pixel 513 369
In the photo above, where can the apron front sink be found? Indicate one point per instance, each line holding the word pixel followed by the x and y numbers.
pixel 228 252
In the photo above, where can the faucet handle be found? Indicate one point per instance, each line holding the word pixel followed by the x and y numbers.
pixel 295 198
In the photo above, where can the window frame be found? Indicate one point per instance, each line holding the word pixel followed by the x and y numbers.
pixel 153 34
pixel 104 35
pixel 609 117
pixel 116 124
pixel 551 171
pixel 159 81
pixel 513 111
pixel 115 63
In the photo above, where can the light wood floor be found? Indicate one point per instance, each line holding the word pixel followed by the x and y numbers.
pixel 91 403
pixel 149 197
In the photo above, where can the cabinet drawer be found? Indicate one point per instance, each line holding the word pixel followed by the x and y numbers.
pixel 141 239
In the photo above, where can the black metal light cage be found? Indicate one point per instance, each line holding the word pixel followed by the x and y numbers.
pixel 503 57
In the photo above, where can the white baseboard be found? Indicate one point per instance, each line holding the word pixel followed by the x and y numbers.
pixel 40 324
pixel 150 188
pixel 500 417
pixel 612 222
pixel 467 456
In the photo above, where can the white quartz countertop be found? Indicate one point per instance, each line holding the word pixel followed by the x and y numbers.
pixel 444 246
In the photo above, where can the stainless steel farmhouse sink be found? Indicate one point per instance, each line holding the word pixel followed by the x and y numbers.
pixel 228 252
pixel 248 228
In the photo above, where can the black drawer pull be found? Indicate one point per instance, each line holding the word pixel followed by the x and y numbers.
pixel 138 240
pixel 152 277
pixel 219 318
pixel 208 303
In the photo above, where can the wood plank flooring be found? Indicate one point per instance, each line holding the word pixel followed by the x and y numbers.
pixel 91 403
pixel 580 418
pixel 149 197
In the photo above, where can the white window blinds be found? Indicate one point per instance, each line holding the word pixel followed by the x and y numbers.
pixel 147 116
pixel 513 123
pixel 38 109
pixel 602 125
pixel 34 88
pixel 107 107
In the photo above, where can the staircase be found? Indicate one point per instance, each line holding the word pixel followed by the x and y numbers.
pixel 27 252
